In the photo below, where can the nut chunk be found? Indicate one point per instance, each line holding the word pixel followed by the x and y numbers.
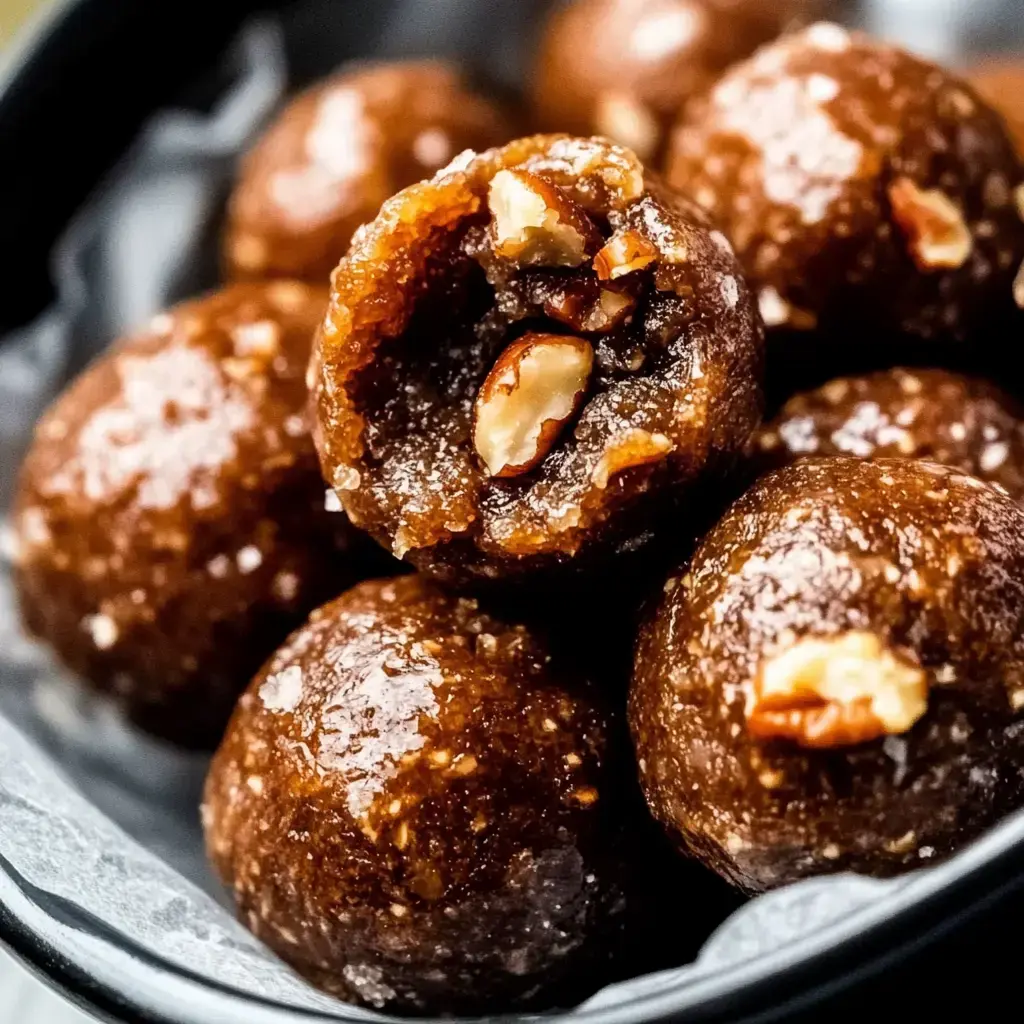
pixel 532 360
pixel 868 193
pixel 836 692
pixel 536 386
pixel 416 806
pixel 835 682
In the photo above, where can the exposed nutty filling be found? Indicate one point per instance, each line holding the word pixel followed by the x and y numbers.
pixel 536 314
pixel 837 692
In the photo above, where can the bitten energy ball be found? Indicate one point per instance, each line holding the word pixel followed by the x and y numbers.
pixel 170 517
pixel 412 806
pixel 868 193
pixel 529 359
pixel 624 68
pixel 836 682
pixel 935 415
pixel 337 152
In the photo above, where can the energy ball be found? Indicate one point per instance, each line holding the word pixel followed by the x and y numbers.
pixel 625 68
pixel 835 682
pixel 530 360
pixel 337 151
pixel 413 806
pixel 869 194
pixel 935 415
pixel 170 520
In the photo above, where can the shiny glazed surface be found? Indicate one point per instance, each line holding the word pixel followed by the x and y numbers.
pixel 626 68
pixel 169 524
pixel 337 151
pixel 935 415
pixel 413 806
pixel 917 556
pixel 813 156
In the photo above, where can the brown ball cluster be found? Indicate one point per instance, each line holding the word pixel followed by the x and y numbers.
pixel 538 377
pixel 337 151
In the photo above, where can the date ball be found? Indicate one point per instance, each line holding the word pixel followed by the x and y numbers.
pixel 170 519
pixel 624 68
pixel 868 193
pixel 529 359
pixel 411 807
pixel 835 683
pixel 336 152
pixel 934 415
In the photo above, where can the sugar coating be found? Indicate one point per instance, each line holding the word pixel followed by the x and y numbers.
pixel 806 154
pixel 625 68
pixel 431 829
pixel 169 517
pixel 920 559
pixel 930 414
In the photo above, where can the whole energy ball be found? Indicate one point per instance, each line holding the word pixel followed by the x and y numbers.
pixel 530 361
pixel 835 682
pixel 869 194
pixel 414 805
pixel 625 68
pixel 937 415
pixel 337 151
pixel 170 518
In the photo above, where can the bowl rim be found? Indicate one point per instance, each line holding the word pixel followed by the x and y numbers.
pixel 917 910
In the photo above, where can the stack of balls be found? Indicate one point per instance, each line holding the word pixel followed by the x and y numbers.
pixel 707 386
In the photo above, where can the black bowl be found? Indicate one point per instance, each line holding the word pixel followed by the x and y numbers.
pixel 103 888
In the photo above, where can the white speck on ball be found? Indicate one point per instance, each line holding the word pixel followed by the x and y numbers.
pixel 103 630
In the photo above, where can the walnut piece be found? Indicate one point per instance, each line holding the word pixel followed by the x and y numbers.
pixel 937 236
pixel 836 692
pixel 633 448
pixel 536 224
pixel 1018 287
pixel 625 252
pixel 533 391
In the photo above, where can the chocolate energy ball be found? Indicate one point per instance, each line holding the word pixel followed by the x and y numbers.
pixel 1001 83
pixel 624 68
pixel 413 806
pixel 869 194
pixel 337 151
pixel 529 359
pixel 835 683
pixel 170 519
pixel 935 415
